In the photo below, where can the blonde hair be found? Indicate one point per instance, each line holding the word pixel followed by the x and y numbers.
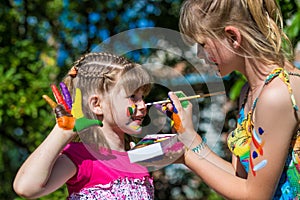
pixel 259 21
pixel 100 73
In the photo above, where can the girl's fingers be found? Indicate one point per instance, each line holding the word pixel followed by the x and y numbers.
pixel 132 145
pixel 58 97
pixel 49 101
pixel 170 107
pixel 175 102
pixel 67 96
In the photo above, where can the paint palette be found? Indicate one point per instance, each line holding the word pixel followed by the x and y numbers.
pixel 156 147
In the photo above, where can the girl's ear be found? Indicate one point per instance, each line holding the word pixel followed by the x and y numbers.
pixel 234 36
pixel 95 104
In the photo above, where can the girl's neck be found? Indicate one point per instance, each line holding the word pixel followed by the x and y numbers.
pixel 114 139
pixel 256 73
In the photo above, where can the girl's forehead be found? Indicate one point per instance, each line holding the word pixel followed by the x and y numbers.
pixel 123 90
pixel 140 90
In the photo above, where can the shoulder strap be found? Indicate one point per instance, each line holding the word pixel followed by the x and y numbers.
pixel 285 77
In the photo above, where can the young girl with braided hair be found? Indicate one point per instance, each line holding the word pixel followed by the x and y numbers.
pixel 247 35
pixel 102 102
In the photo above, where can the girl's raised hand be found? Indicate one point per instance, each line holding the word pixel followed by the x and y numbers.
pixel 69 115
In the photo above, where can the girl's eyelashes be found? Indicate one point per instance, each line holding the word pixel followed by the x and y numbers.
pixel 135 98
pixel 201 45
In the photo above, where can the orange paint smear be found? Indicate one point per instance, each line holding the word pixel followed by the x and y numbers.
pixel 177 123
pixel 66 122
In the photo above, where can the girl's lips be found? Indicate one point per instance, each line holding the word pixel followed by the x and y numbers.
pixel 137 120
pixel 210 59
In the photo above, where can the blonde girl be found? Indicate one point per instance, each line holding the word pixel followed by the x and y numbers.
pixel 247 35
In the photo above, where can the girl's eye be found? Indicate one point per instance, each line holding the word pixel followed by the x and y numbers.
pixel 135 98
pixel 201 44
pixel 132 97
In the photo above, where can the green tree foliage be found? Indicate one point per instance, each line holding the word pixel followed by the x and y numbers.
pixel 27 66
pixel 291 13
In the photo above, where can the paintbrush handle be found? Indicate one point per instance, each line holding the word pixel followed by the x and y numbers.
pixel 187 98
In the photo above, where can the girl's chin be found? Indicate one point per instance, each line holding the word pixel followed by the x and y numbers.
pixel 221 73
pixel 134 129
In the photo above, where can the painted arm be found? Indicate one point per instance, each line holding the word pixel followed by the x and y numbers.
pixel 266 167
pixel 46 169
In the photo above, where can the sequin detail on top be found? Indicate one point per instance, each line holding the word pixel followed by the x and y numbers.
pixel 240 139
pixel 122 188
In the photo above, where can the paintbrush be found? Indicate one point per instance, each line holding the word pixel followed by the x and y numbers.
pixel 187 98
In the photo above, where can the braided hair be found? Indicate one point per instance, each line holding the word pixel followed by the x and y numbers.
pixel 101 73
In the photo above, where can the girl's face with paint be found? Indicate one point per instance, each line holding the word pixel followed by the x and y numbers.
pixel 129 111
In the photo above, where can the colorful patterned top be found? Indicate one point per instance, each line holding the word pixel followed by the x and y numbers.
pixel 240 139
pixel 107 174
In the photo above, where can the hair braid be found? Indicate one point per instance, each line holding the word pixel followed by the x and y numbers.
pixel 99 74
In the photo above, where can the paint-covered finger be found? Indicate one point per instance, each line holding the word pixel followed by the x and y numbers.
pixel 49 101
pixel 77 105
pixel 60 111
pixel 67 95
pixel 175 101
pixel 132 145
pixel 59 98
pixel 83 123
pixel 180 94
pixel 177 123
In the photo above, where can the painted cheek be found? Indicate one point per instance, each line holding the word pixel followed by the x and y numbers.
pixel 131 110
pixel 136 127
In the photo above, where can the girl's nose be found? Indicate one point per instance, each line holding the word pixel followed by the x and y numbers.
pixel 200 52
pixel 141 105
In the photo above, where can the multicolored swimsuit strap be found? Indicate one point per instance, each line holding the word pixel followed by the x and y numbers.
pixel 285 77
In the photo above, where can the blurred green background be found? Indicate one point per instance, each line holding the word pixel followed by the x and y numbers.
pixel 39 40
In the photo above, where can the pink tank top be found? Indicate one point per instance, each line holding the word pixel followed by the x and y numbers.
pixel 106 174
